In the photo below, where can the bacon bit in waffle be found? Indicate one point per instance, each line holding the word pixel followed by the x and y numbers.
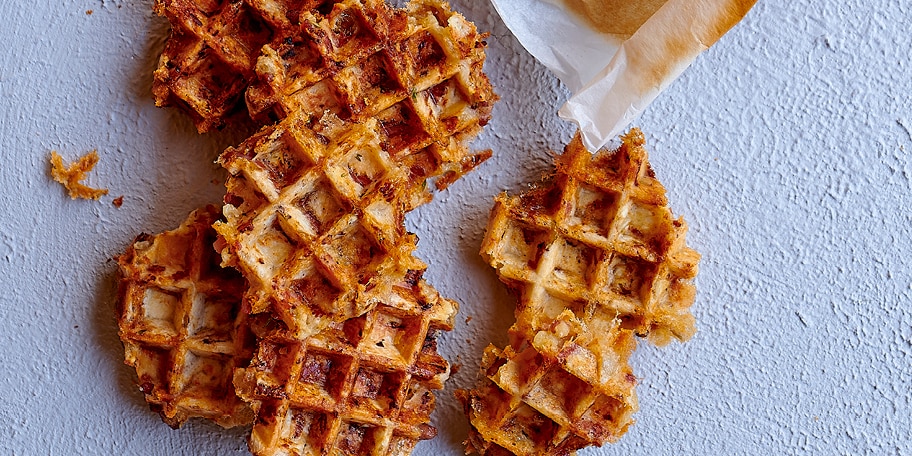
pixel 71 177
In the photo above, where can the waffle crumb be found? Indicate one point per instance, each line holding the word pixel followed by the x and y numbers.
pixel 71 177
pixel 117 202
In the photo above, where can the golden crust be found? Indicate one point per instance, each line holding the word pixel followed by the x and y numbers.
pixel 362 384
pixel 373 106
pixel 182 324
pixel 599 232
pixel 316 203
pixel 595 258
pixel 344 55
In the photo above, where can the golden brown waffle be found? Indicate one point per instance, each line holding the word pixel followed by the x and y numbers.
pixel 595 258
pixel 599 239
pixel 361 386
pixel 358 386
pixel 354 58
pixel 208 61
pixel 316 205
pixel 363 57
pixel 568 387
pixel 182 324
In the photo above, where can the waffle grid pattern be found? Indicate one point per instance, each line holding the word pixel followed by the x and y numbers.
pixel 599 240
pixel 182 324
pixel 595 258
pixel 363 57
pixel 553 395
pixel 305 188
pixel 370 107
pixel 362 386
pixel 209 58
pixel 354 58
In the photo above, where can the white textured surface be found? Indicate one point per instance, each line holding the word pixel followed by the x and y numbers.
pixel 786 147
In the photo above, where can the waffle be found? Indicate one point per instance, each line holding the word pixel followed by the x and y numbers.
pixel 363 57
pixel 71 176
pixel 353 57
pixel 209 58
pixel 595 258
pixel 568 387
pixel 322 199
pixel 599 238
pixel 182 324
pixel 360 386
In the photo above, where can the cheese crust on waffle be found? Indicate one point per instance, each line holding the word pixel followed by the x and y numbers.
pixel 316 202
pixel 364 57
pixel 595 258
pixel 363 385
pixel 182 323
pixel 351 57
pixel 600 235
pixel 370 108
pixel 359 386
pixel 209 58
pixel 567 388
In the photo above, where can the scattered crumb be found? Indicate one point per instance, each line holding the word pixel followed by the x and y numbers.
pixel 454 369
pixel 468 319
pixel 72 176
pixel 89 12
pixel 215 181
pixel 76 327
pixel 118 201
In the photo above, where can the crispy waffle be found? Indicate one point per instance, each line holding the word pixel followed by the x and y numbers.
pixel 208 60
pixel 568 387
pixel 182 324
pixel 360 386
pixel 364 57
pixel 317 204
pixel 352 57
pixel 595 258
pixel 599 238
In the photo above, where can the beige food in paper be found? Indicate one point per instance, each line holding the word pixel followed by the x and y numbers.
pixel 616 17
pixel 616 56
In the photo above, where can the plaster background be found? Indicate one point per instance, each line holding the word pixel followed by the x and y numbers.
pixel 785 146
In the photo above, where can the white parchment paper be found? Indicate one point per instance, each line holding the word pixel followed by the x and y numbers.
pixel 613 76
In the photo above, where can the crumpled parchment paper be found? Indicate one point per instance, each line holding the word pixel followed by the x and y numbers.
pixel 616 56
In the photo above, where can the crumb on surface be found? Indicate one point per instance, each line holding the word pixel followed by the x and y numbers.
pixel 89 12
pixel 71 177
pixel 117 202
pixel 468 319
